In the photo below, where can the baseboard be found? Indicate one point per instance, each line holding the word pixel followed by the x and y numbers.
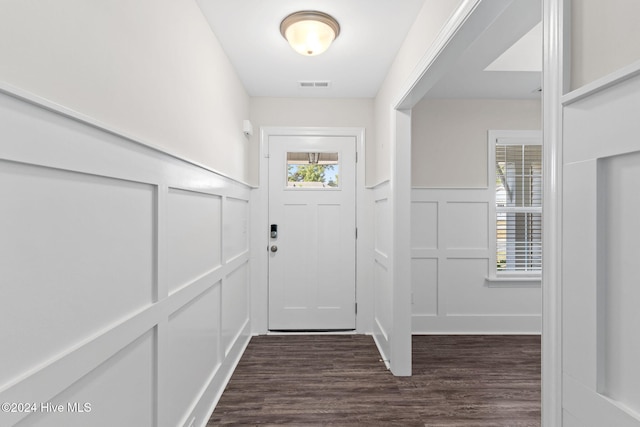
pixel 382 343
pixel 218 383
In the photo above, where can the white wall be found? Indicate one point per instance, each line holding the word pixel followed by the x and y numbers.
pixel 604 38
pixel 450 220
pixel 310 112
pixel 125 276
pixel 126 270
pixel 431 19
pixel 150 69
pixel 449 138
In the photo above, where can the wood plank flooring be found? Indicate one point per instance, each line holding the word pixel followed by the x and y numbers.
pixel 313 380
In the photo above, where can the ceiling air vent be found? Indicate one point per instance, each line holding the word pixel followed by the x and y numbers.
pixel 314 85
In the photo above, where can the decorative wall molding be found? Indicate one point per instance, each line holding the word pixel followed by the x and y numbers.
pixel 46 104
pixel 450 253
pixel 601 84
pixel 599 293
pixel 128 271
pixel 382 284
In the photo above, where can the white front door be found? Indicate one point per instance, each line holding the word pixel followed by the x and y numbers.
pixel 601 230
pixel 312 244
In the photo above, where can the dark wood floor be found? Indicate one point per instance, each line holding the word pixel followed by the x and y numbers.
pixel 339 380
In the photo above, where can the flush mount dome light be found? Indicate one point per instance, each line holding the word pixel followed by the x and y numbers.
pixel 309 32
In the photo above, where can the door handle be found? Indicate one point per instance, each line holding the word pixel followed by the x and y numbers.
pixel 274 248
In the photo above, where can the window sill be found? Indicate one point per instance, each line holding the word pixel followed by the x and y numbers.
pixel 514 282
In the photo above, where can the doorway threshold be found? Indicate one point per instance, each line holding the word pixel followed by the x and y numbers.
pixel 311 332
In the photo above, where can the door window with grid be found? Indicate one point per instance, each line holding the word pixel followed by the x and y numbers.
pixel 516 159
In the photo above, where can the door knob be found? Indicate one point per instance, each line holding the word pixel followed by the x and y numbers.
pixel 274 248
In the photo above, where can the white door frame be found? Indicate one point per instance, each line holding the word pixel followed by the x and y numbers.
pixel 260 226
pixel 312 290
pixel 467 20
pixel 555 83
pixel 470 19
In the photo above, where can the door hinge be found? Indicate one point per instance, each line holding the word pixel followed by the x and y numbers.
pixel 356 157
pixel 356 304
pixel 356 232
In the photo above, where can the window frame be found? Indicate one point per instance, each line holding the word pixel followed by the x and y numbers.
pixel 505 137
pixel 311 188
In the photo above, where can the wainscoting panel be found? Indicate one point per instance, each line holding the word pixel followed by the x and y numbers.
pixel 424 225
pixel 451 229
pixel 383 294
pixel 424 275
pixel 619 206
pixel 235 312
pixel 124 275
pixel 465 225
pixel 44 210
pixel 92 398
pixel 194 235
pixel 236 237
pixel 382 215
pixel 193 334
pixel 600 293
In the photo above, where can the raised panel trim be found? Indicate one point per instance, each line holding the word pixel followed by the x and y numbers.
pixel 68 113
pixel 382 342
pixel 422 253
pixel 602 84
pixel 600 411
pixel 204 404
pixel 227 257
pixel 450 323
pixel 237 265
pixel 64 141
pixel 59 373
pixel 381 257
pixel 237 261
pixel 183 296
pixel 590 120
pixel 467 253
pixel 197 191
pixel 449 195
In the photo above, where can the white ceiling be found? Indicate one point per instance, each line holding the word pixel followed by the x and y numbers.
pixel 356 64
pixel 371 33
pixel 513 32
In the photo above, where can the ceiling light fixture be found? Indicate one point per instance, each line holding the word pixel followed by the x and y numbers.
pixel 309 32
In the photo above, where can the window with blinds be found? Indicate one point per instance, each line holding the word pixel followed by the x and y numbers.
pixel 518 207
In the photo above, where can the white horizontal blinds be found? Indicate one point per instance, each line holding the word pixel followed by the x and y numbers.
pixel 518 207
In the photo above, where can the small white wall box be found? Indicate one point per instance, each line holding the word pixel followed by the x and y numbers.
pixel 247 128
